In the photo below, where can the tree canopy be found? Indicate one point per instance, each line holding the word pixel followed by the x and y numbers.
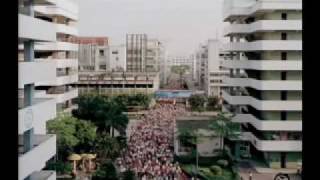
pixel 197 102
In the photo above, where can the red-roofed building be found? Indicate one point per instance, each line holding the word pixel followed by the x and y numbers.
pixel 100 41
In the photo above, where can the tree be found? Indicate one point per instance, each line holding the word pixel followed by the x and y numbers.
pixel 64 126
pixel 106 171
pixel 129 175
pixel 107 147
pixel 72 134
pixel 86 134
pixel 180 70
pixel 191 137
pixel 223 127
pixel 213 102
pixel 197 102
pixel 105 112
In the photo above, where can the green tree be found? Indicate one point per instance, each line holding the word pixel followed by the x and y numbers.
pixel 213 102
pixel 223 127
pixel 64 126
pixel 191 137
pixel 86 134
pixel 129 175
pixel 106 171
pixel 197 102
pixel 107 147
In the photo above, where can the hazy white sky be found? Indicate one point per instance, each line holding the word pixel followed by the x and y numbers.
pixel 180 24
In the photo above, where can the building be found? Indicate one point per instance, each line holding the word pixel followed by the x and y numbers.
pixel 155 55
pixel 183 61
pixel 99 41
pixel 136 46
pixel 116 58
pixel 209 71
pixel 93 53
pixel 115 83
pixel 208 142
pixel 36 147
pixel 266 39
pixel 63 15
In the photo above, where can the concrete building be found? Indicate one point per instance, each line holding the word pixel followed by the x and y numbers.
pixel 209 142
pixel 183 61
pixel 35 146
pixel 113 83
pixel 136 46
pixel 266 39
pixel 208 67
pixel 93 53
pixel 116 60
pixel 63 15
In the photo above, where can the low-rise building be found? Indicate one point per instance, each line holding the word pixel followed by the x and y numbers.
pixel 114 83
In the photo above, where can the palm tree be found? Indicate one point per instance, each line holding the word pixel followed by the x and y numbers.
pixel 191 136
pixel 223 127
pixel 107 147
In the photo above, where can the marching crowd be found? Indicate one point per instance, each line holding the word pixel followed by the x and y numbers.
pixel 150 147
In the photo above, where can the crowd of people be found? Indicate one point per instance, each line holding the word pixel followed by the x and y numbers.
pixel 150 146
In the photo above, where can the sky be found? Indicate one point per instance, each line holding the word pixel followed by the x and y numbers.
pixel 180 24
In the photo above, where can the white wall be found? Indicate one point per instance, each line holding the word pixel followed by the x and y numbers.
pixel 116 61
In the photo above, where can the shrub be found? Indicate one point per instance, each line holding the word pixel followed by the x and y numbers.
pixel 129 175
pixel 106 171
pixel 223 163
pixel 60 167
pixel 216 170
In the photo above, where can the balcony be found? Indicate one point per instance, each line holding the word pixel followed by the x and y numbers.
pixel 43 175
pixel 250 7
pixel 265 105
pixel 61 63
pixel 273 145
pixel 35 72
pixel 280 85
pixel 264 65
pixel 36 115
pixel 31 28
pixel 269 125
pixel 59 10
pixel 264 26
pixel 56 46
pixel 66 29
pixel 34 160
pixel 59 96
pixel 265 45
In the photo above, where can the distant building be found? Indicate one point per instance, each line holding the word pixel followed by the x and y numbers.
pixel 114 83
pixel 136 47
pixel 116 58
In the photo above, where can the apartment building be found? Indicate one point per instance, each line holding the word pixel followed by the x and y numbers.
pixel 92 53
pixel 136 47
pixel 208 67
pixel 265 39
pixel 35 146
pixel 115 83
pixel 63 15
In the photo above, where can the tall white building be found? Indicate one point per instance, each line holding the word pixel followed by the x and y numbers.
pixel 209 70
pixel 35 146
pixel 63 15
pixel 265 37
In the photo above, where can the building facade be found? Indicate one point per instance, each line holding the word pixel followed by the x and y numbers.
pixel 35 146
pixel 63 53
pixel 266 41
pixel 116 83
pixel 116 60
pixel 209 71
pixel 183 61
pixel 136 47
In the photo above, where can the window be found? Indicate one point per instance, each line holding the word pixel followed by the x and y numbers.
pixel 283 36
pixel 114 52
pixel 284 16
pixel 101 52
pixel 283 95
pixel 283 76
pixel 283 55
